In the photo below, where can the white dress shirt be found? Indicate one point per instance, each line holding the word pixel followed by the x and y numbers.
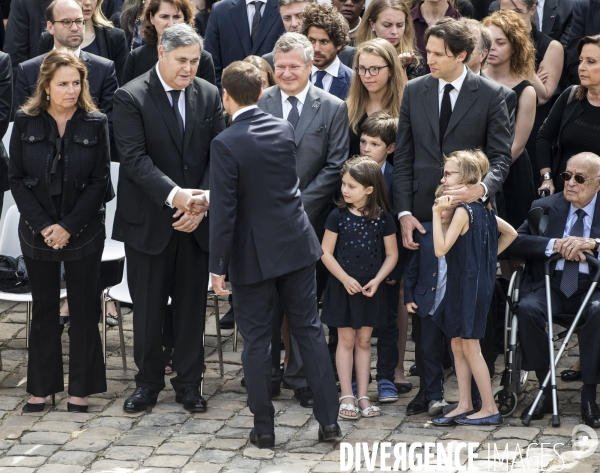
pixel 332 71
pixel 181 106
pixel 540 13
pixel 286 106
pixel 587 227
pixel 77 52
pixel 251 9
pixel 442 277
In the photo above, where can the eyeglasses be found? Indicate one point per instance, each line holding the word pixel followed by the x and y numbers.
pixel 373 70
pixel 579 178
pixel 67 22
pixel 447 174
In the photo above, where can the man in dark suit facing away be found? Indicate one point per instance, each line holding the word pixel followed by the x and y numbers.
pixel 261 236
pixel 327 31
pixel 164 123
pixel 447 110
pixel 101 72
pixel 239 28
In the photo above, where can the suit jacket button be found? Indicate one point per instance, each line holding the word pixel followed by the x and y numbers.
pixel 220 261
pixel 433 288
pixel 31 138
pixel 434 274
pixel 86 141
pixel 185 166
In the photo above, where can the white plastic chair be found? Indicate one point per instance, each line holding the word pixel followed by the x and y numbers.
pixel 113 250
pixel 10 246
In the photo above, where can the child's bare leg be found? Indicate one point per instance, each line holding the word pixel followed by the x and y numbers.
pixel 344 356
pixel 362 363
pixel 463 376
pixel 472 352
pixel 399 376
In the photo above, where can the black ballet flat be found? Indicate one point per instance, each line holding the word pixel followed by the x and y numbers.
pixel 29 407
pixel 76 408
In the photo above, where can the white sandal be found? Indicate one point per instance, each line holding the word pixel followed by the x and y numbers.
pixel 348 407
pixel 369 411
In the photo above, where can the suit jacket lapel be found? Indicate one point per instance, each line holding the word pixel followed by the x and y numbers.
pixel 549 16
pixel 309 110
pixel 191 94
pixel 101 40
pixel 466 98
pixel 431 103
pixel 558 219
pixel 239 17
pixel 270 14
pixel 595 230
pixel 159 97
pixel 273 103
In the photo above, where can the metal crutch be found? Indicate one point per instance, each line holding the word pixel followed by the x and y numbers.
pixel 551 376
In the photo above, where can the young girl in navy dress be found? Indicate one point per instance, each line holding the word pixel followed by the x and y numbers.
pixel 471 247
pixel 362 232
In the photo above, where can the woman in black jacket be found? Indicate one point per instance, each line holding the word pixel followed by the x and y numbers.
pixel 158 15
pixel 100 37
pixel 59 174
pixel 572 126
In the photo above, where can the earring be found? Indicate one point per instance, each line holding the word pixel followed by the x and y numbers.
pixel 48 97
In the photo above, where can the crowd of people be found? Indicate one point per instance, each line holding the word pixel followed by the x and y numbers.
pixel 349 164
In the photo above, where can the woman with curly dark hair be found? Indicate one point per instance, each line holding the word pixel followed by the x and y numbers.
pixel 158 15
pixel 511 61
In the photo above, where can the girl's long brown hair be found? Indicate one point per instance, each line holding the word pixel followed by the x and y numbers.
pixel 366 33
pixel 367 173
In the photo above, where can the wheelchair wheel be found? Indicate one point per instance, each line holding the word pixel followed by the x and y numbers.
pixel 505 400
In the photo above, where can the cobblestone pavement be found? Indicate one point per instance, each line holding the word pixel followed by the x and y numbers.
pixel 169 440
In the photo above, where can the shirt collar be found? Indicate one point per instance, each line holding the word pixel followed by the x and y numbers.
pixel 457 83
pixel 588 209
pixel 301 96
pixel 167 87
pixel 383 167
pixel 333 69
pixel 77 52
pixel 242 110
pixel 248 2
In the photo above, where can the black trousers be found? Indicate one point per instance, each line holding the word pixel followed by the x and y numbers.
pixel 532 316
pixel 86 365
pixel 387 336
pixel 253 309
pixel 181 272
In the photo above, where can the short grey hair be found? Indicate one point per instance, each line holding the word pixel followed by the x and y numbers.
pixel 179 35
pixel 285 3
pixel 290 41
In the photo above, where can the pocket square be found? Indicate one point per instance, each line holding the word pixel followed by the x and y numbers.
pixel 322 129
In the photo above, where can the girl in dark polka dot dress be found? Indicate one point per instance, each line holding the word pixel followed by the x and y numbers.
pixel 360 250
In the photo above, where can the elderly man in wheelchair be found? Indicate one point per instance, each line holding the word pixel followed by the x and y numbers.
pixel 573 228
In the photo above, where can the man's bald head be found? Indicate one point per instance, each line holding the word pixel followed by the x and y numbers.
pixel 587 165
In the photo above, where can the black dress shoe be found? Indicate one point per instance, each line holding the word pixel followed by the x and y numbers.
pixel 262 441
pixel 305 396
pixel 226 322
pixel 330 433
pixel 412 371
pixel 76 407
pixel 570 375
pixel 29 407
pixel 543 407
pixel 418 405
pixel 140 400
pixel 591 414
pixel 191 399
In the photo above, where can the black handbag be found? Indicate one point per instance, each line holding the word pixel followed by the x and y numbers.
pixel 13 275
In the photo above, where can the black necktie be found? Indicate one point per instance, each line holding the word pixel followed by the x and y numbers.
pixel 570 276
pixel 294 115
pixel 445 112
pixel 255 20
pixel 319 81
pixel 175 97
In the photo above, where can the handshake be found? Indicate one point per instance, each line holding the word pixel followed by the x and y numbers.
pixel 191 201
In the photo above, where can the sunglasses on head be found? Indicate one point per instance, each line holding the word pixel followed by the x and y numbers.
pixel 579 178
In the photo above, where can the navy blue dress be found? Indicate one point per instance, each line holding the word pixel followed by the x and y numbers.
pixel 360 251
pixel 471 276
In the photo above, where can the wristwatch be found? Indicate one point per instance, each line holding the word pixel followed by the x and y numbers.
pixel 546 176
pixel 597 245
